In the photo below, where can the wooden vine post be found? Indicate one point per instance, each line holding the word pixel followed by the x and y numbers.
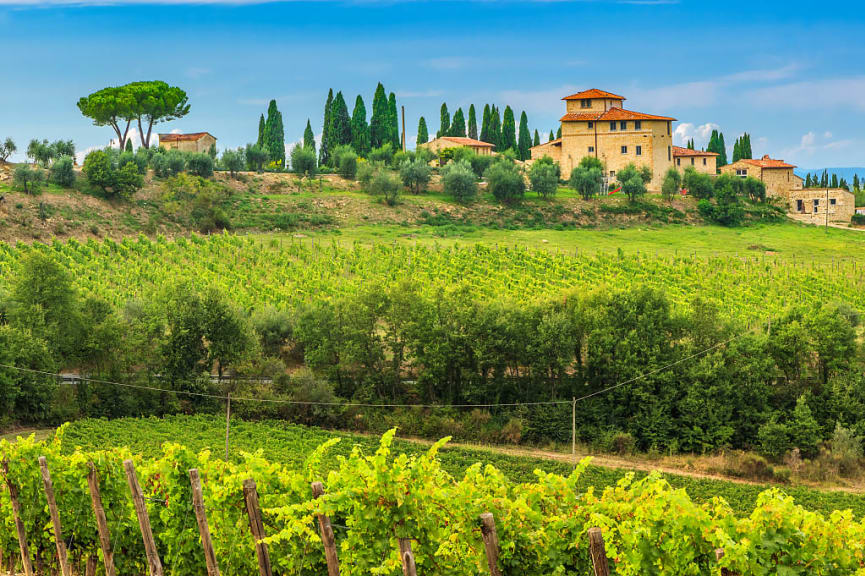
pixel 719 553
pixel 491 542
pixel 19 525
pixel 598 552
pixel 101 520
pixel 326 531
pixel 250 495
pixel 203 526
pixel 62 557
pixel 153 561
pixel 407 557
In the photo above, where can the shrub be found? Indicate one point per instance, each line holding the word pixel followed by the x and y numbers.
pixel 200 164
pixel 633 181
pixel 699 185
pixel 176 162
pixel 99 170
pixel 544 177
pixel 459 181
pixel 587 177
pixel 774 439
pixel 366 169
pixel 383 154
pixel 63 172
pixel 385 184
pixel 159 164
pixel 755 189
pixel 859 219
pixel 142 159
pixel 415 174
pixel 505 181
pixel 28 180
pixel 846 449
pixel 127 180
pixel 345 161
pixel 233 161
pixel 672 183
pixel 424 154
pixel 303 160
pixel 256 157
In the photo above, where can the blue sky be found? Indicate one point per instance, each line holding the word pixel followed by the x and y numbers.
pixel 789 72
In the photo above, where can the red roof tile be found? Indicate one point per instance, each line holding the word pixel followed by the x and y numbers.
pixel 766 162
pixel 462 141
pixel 556 142
pixel 679 151
pixel 611 114
pixel 194 136
pixel 593 93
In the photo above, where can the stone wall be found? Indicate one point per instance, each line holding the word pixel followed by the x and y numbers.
pixel 809 205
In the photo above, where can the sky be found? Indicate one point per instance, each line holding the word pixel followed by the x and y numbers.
pixel 788 72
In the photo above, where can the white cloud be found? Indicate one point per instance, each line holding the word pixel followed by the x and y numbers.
pixel 685 131
pixel 811 147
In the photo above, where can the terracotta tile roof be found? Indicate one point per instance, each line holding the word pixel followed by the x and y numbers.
pixel 766 162
pixel 679 151
pixel 556 142
pixel 194 136
pixel 462 141
pixel 593 93
pixel 611 114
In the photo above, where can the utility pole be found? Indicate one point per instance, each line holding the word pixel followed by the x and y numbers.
pixel 403 128
pixel 827 210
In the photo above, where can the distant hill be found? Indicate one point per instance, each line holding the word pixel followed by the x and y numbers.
pixel 846 173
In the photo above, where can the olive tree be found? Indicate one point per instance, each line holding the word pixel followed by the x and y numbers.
pixel 7 149
pixel 415 174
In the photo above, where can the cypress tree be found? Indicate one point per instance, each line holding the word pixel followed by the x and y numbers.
pixel 359 128
pixel 509 131
pixel 473 123
pixel 395 139
pixel 746 146
pixel 260 140
pixel 537 140
pixel 495 129
pixel 856 182
pixel 722 159
pixel 690 144
pixel 379 125
pixel 324 146
pixel 552 136
pixel 309 137
pixel 524 141
pixel 824 179
pixel 736 149
pixel 485 124
pixel 458 124
pixel 340 123
pixel 842 183
pixel 274 134
pixel 128 145
pixel 559 132
pixel 834 181
pixel 422 133
pixel 808 180
pixel 445 122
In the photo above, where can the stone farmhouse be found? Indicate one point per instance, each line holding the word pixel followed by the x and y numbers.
pixel 808 205
pixel 596 124
pixel 195 142
pixel 700 160
pixel 436 145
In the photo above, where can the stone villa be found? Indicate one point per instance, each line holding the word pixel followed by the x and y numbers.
pixel 436 145
pixel 596 124
pixel 195 142
pixel 700 160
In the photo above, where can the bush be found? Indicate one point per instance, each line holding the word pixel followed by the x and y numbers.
pixel 544 177
pixel 383 154
pixel 727 210
pixel 159 164
pixel 303 161
pixel 459 181
pixel 385 184
pixel 587 177
pixel 774 439
pixel 28 180
pixel 755 189
pixel 846 449
pixel 859 219
pixel 99 170
pixel 233 161
pixel 506 182
pixel 63 172
pixel 127 180
pixel 200 164
pixel 633 181
pixel 672 183
pixel 366 169
pixel 345 161
pixel 176 162
pixel 415 175
pixel 698 185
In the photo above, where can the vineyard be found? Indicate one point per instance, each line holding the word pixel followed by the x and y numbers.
pixel 382 512
pixel 283 272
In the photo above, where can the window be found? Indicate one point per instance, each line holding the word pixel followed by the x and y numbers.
pixel 612 126
pixel 668 127
pixel 678 161
pixel 639 151
pixel 692 161
pixel 612 173
pixel 816 205
pixel 669 153
pixel 704 161
pixel 742 173
pixel 591 149
pixel 832 201
pixel 624 149
pixel 591 125
pixel 623 125
pixel 638 124
pixel 585 103
pixel 800 206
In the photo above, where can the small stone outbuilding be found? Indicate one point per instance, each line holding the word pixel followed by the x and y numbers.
pixel 436 145
pixel 194 142
pixel 810 204
pixel 700 160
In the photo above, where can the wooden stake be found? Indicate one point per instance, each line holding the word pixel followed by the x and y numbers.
pixel 407 557
pixel 250 494
pixel 203 527
pixel 101 520
pixel 598 552
pixel 227 423
pixel 719 553
pixel 574 431
pixel 62 557
pixel 491 542
pixel 19 525
pixel 326 532
pixel 153 562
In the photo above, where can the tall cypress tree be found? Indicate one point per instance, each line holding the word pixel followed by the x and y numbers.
pixel 808 183
pixel 473 123
pixel 458 124
pixel 856 182
pixel 359 128
pixel 745 148
pixel 737 153
pixel 260 141
pixel 309 137
pixel 379 123
pixel 485 124
pixel 524 141
pixel 394 122
pixel 495 129
pixel 824 179
pixel 324 147
pixel 340 123
pixel 509 131
pixel 722 159
pixel 445 122
pixel 422 132
pixel 537 140
pixel 274 134
pixel 690 144
pixel 552 136
pixel 559 132
pixel 834 181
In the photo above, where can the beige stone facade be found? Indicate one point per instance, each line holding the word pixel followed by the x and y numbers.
pixel 701 161
pixel 197 142
pixel 810 205
pixel 444 142
pixel 596 124
pixel 777 175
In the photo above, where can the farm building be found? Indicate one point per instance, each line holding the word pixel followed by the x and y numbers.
pixel 444 142
pixel 596 124
pixel 701 161
pixel 777 175
pixel 195 142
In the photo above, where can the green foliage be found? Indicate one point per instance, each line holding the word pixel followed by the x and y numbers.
pixel 458 124
pixel 394 121
pixel 633 181
pixel 544 177
pixel 672 183
pixel 506 182
pixel 127 181
pixel 716 145
pixel 339 130
pixel 345 161
pixel 459 181
pixel 444 121
pixel 524 141
pixel 415 174
pixel 7 149
pixel 727 209
pixel 386 185
pixel 359 128
pixel 274 135
pixel 303 160
pixel 200 164
pixel 176 161
pixel 422 132
pixel 28 180
pixel 587 177
pixel 257 156
pixel 114 179
pixel 325 145
pixel 472 129
pixel 63 172
pixel 382 154
pixel 698 185
pixel 235 160
pixel 379 123
pixel 309 136
pixel 508 139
